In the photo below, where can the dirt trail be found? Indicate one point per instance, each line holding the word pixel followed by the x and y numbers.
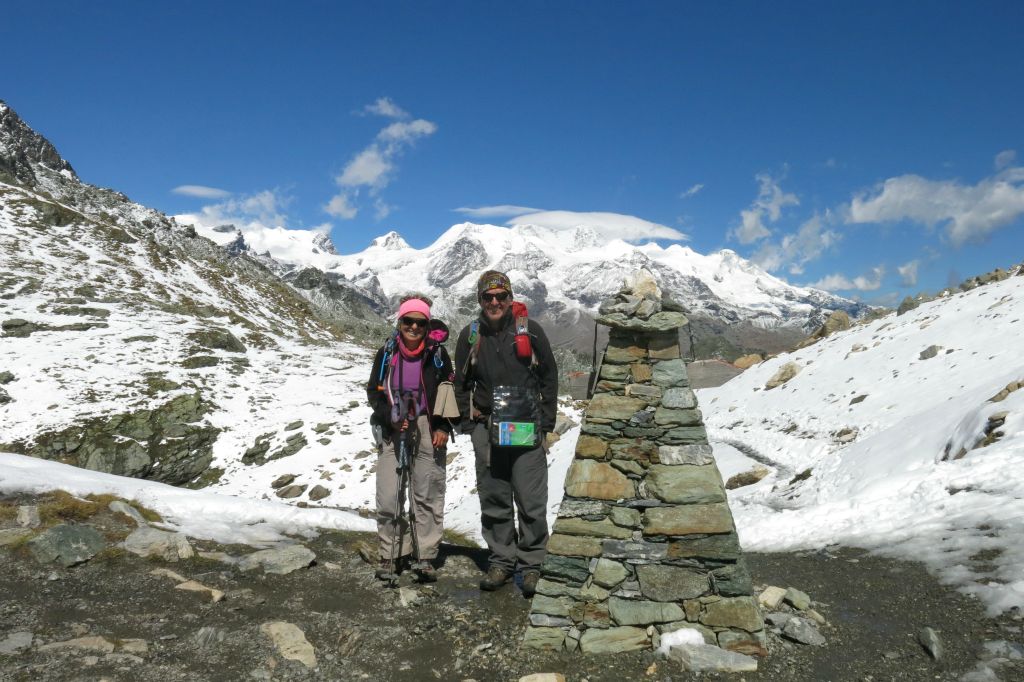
pixel 363 631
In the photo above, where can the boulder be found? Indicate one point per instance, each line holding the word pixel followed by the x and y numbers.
pixel 66 545
pixel 278 560
pixel 290 642
pixel 161 544
pixel 784 374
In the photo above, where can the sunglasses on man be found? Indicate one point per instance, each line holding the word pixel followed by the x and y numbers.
pixel 501 296
pixel 413 322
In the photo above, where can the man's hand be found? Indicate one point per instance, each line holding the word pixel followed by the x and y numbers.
pixel 440 439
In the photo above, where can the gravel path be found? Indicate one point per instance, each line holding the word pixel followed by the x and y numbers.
pixel 360 630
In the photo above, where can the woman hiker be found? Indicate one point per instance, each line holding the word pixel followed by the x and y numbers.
pixel 414 419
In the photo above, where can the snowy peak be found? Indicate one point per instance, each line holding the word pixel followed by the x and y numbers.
pixel 23 149
pixel 324 243
pixel 392 241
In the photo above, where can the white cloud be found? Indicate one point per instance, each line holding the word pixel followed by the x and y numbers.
pixel 1005 158
pixel 867 282
pixel 264 209
pixel 387 108
pixel 768 206
pixel 969 212
pixel 374 167
pixel 407 132
pixel 609 225
pixel 381 210
pixel 797 249
pixel 499 211
pixel 686 194
pixel 201 191
pixel 340 207
pixel 908 273
pixel 369 168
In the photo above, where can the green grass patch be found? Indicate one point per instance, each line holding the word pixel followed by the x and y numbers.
pixel 458 538
pixel 59 506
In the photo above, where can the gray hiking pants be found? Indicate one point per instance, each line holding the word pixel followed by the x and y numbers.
pixel 514 484
pixel 425 484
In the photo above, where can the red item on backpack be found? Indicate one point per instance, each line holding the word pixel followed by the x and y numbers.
pixel 524 349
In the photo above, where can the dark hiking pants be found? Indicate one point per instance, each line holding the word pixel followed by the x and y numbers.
pixel 512 484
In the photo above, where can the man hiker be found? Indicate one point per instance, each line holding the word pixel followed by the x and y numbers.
pixel 506 386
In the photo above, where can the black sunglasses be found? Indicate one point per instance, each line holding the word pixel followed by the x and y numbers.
pixel 500 296
pixel 413 322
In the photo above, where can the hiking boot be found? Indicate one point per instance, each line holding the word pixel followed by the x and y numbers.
pixel 425 572
pixel 495 578
pixel 530 579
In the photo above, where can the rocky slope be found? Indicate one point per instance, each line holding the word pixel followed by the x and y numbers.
pixel 133 346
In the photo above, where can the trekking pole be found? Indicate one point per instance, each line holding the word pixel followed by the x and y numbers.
pixel 397 535
pixel 412 447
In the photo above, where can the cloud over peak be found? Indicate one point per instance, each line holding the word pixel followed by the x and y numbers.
pixel 870 281
pixel 609 225
pixel 967 212
pixel 201 192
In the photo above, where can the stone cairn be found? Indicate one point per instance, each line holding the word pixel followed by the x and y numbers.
pixel 644 542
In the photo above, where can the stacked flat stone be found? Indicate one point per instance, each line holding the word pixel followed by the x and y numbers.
pixel 644 542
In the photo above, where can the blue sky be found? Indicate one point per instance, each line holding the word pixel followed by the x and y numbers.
pixel 875 149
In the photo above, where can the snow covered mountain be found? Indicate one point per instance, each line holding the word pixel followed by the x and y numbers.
pixel 563 275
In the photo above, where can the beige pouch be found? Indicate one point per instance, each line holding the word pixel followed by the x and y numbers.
pixel 445 406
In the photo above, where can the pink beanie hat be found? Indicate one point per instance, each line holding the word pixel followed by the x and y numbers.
pixel 414 305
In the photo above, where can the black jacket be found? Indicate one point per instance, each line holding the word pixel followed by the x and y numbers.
pixel 498 365
pixel 433 376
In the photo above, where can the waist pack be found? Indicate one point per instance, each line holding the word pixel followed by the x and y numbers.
pixel 515 417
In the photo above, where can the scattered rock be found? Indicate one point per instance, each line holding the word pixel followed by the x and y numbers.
pixel 193 586
pixel 297 424
pixel 6 378
pixel 859 399
pixel 408 596
pixel 797 599
pixel 291 491
pixel 5 397
pixel 278 560
pixel 99 644
pixel 282 480
pixel 803 631
pixel 543 677
pixel 929 639
pixel 784 374
pixel 929 352
pixel 748 361
pixel 66 545
pixel 151 542
pixel 291 642
pixel 318 493
pixel 746 478
pixel 771 597
pixel 122 507
pixel 208 637
pixel 28 516
pixel 15 642
pixel 168 573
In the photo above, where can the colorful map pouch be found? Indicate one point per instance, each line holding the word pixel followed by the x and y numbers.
pixel 515 417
